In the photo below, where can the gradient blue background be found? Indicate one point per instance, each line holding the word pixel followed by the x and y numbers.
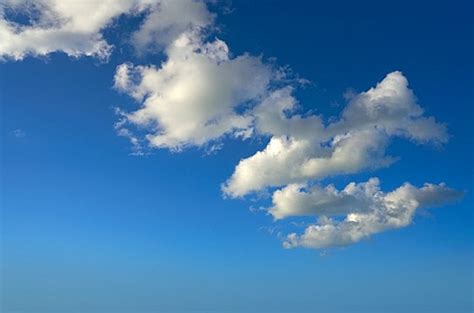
pixel 86 227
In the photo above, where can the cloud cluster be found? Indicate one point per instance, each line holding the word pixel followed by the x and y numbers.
pixel 303 148
pixel 195 95
pixel 366 208
pixel 202 93
pixel 41 27
pixel 167 20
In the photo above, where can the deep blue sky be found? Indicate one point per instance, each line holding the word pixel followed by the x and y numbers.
pixel 87 227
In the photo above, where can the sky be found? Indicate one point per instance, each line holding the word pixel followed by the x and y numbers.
pixel 236 156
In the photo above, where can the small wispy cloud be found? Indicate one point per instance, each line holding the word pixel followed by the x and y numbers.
pixel 18 133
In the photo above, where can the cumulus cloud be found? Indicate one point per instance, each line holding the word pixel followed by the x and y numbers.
pixel 301 200
pixel 202 93
pixel 167 20
pixel 72 27
pixel 367 210
pixel 195 95
pixel 302 148
pixel 38 28
pixel 288 160
pixel 392 107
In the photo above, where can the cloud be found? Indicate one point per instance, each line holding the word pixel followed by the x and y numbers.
pixel 202 93
pixel 288 160
pixel 367 210
pixel 301 200
pixel 392 107
pixel 38 28
pixel 195 95
pixel 55 25
pixel 302 148
pixel 168 20
pixel 18 133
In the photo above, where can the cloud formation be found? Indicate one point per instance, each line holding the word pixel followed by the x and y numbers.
pixel 202 93
pixel 303 148
pixel 54 25
pixel 367 210
pixel 166 20
pixel 193 97
pixel 41 27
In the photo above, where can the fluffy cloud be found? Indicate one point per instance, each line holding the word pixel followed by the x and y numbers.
pixel 190 100
pixel 201 93
pixel 75 27
pixel 367 210
pixel 288 160
pixel 55 25
pixel 392 107
pixel 195 95
pixel 302 149
pixel 167 20
pixel 301 200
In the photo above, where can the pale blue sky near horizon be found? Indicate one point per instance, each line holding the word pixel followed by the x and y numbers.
pixel 87 227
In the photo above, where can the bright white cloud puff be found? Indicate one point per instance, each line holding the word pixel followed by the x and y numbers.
pixel 75 27
pixel 302 149
pixel 193 97
pixel 366 209
pixel 201 93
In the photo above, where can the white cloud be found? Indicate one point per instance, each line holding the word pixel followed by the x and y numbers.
pixel 190 100
pixel 168 20
pixel 301 200
pixel 368 210
pixel 288 160
pixel 194 96
pixel 75 27
pixel 302 149
pixel 201 93
pixel 72 27
pixel 275 116
pixel 390 106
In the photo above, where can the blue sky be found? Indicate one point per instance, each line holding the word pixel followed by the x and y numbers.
pixel 92 223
